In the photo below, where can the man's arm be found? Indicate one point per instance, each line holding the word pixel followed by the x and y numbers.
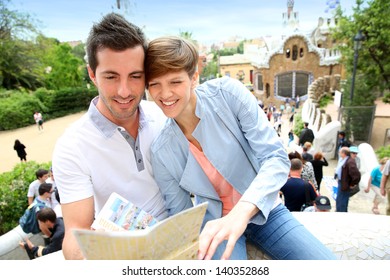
pixel 30 200
pixel 80 215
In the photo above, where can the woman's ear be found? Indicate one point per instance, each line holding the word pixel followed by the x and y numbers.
pixel 194 79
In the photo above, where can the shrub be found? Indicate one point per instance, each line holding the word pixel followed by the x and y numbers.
pixel 13 193
pixel 383 151
pixel 298 124
pixel 17 108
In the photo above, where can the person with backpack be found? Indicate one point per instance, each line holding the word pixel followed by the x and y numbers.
pixel 28 221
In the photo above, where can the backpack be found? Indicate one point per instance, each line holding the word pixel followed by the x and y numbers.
pixel 28 221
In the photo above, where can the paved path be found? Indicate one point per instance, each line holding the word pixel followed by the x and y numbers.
pixel 39 145
pixel 361 202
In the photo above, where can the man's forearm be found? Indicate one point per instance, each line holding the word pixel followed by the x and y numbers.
pixel 70 248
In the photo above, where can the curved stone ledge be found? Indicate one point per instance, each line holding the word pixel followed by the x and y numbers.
pixel 351 236
pixel 10 240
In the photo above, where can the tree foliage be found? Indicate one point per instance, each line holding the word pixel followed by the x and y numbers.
pixel 372 19
pixel 30 60
pixel 18 65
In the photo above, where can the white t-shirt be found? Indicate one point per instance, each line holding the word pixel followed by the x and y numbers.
pixel 94 157
pixel 33 188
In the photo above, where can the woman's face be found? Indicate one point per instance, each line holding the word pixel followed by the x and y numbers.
pixel 172 92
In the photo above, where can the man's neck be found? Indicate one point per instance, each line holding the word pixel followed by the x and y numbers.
pixel 295 174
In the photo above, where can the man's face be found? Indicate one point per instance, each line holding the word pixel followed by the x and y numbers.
pixel 120 80
pixel 44 178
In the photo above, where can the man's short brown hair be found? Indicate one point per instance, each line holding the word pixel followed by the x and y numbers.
pixel 296 164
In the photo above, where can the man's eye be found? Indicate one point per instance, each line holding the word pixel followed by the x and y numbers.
pixel 136 76
pixel 109 77
pixel 152 84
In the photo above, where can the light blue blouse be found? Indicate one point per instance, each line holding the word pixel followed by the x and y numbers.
pixel 239 141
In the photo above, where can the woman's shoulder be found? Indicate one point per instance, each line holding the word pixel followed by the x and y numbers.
pixel 164 137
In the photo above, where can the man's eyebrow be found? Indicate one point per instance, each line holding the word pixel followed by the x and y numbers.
pixel 115 73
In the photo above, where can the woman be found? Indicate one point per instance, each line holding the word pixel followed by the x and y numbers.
pixel 318 162
pixel 20 150
pixel 218 145
pixel 375 182
pixel 307 171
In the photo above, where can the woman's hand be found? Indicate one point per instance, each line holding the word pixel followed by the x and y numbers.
pixel 229 227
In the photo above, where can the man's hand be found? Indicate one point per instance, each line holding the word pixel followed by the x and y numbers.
pixel 229 227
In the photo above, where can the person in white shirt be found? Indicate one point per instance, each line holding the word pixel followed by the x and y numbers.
pixel 42 175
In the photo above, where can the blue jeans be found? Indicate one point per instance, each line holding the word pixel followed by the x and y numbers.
pixel 282 237
pixel 342 199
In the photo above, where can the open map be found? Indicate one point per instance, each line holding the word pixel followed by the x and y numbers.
pixel 175 238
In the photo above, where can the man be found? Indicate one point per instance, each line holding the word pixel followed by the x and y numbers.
pixel 354 150
pixel 307 135
pixel 38 120
pixel 348 176
pixel 305 154
pixel 41 175
pixel 45 192
pixel 49 223
pixel 108 149
pixel 294 190
pixel 342 141
pixel 385 185
pixel 321 204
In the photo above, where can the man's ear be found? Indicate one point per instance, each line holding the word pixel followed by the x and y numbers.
pixel 91 75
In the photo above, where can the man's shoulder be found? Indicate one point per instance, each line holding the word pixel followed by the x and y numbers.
pixel 152 112
pixel 34 183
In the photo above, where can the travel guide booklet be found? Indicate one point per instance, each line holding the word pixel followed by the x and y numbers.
pixel 119 214
pixel 142 237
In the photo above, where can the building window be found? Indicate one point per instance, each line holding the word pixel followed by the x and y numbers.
pixel 292 84
pixel 285 84
pixel 301 52
pixel 240 75
pixel 301 83
pixel 267 91
pixel 288 53
pixel 259 82
pixel 295 53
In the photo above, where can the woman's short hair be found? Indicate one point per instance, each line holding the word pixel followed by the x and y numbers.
pixel 170 54
pixel 318 156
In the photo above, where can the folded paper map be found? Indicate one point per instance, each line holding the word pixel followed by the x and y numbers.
pixel 175 238
pixel 119 214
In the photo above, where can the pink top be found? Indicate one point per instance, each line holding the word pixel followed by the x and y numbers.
pixel 228 195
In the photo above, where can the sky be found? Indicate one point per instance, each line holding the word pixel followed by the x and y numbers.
pixel 209 21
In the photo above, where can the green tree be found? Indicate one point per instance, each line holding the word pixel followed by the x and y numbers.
pixel 373 65
pixel 18 64
pixel 373 68
pixel 62 69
